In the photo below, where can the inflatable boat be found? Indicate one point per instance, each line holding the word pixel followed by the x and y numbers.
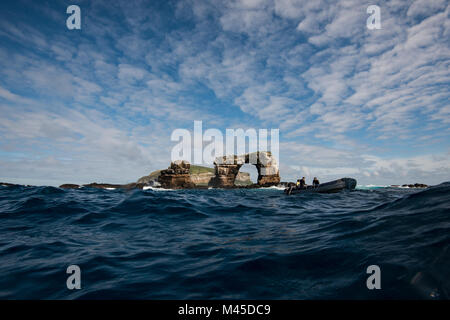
pixel 327 187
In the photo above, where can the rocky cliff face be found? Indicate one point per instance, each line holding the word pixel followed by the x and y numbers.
pixel 243 179
pixel 150 178
pixel 177 176
pixel 202 178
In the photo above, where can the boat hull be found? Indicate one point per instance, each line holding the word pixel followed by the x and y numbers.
pixel 328 187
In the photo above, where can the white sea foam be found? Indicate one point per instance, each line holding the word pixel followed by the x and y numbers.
pixel 273 188
pixel 371 186
pixel 156 189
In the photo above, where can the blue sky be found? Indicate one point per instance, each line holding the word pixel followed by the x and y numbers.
pixel 100 103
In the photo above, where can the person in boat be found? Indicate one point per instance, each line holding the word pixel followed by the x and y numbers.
pixel 315 182
pixel 301 184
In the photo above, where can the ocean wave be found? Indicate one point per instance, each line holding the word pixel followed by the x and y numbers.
pixel 156 189
pixel 212 244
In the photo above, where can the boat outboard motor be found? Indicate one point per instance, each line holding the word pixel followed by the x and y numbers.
pixel 350 183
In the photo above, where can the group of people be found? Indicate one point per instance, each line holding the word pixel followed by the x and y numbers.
pixel 301 183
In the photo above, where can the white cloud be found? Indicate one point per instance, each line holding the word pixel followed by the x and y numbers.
pixel 424 7
pixel 331 163
pixel 130 73
pixel 336 89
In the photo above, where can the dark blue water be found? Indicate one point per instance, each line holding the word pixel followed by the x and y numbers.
pixel 252 244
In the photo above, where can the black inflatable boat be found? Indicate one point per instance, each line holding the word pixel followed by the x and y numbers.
pixel 327 187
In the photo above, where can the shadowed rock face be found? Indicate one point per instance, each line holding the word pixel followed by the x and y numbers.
pixel 176 176
pixel 415 185
pixel 128 186
pixel 96 185
pixel 227 168
pixel 243 179
pixel 6 184
pixel 69 186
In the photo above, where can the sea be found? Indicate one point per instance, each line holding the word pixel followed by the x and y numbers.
pixel 225 244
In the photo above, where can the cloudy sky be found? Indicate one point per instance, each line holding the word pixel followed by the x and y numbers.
pixel 100 103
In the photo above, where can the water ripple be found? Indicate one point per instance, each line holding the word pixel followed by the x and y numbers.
pixel 230 244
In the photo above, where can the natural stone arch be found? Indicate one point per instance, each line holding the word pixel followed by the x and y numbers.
pixel 246 176
pixel 227 167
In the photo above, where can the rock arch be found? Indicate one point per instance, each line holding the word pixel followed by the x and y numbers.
pixel 227 167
